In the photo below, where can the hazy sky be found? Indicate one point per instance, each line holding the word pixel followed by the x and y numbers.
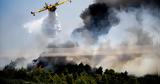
pixel 15 13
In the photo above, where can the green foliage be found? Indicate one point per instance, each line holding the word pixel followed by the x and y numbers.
pixel 72 74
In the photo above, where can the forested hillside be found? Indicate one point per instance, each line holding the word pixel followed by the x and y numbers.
pixel 71 74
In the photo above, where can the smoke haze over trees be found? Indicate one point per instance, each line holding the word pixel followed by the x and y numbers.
pixel 116 34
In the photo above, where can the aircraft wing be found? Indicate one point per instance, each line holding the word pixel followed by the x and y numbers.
pixel 41 10
pixel 47 7
pixel 60 3
pixel 38 11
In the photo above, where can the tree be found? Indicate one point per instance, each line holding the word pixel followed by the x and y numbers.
pixel 99 71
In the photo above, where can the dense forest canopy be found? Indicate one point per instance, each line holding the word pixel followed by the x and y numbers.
pixel 71 74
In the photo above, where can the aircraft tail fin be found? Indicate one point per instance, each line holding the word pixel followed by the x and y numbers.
pixel 46 5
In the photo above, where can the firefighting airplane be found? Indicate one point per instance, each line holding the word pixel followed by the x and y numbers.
pixel 51 7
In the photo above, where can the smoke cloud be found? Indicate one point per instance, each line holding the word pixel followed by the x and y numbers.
pixel 40 33
pixel 129 36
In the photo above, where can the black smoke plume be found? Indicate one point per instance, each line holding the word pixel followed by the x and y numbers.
pixel 95 19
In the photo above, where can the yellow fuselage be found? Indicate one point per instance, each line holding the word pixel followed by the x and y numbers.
pixel 51 8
